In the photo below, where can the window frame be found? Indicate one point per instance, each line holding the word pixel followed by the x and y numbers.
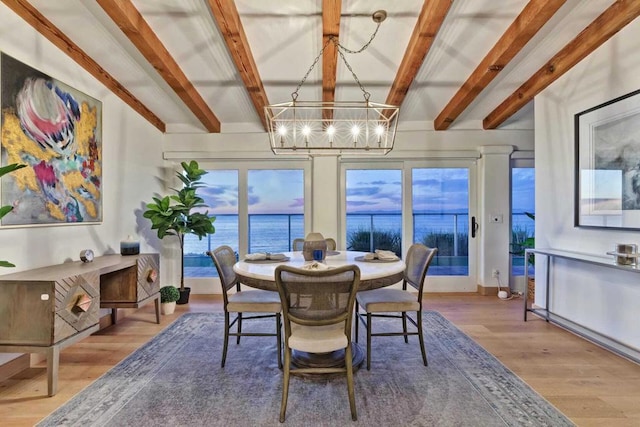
pixel 436 283
pixel 243 167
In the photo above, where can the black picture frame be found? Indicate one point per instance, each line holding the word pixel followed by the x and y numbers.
pixel 607 164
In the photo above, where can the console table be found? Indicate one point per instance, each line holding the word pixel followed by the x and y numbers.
pixel 46 309
pixel 547 313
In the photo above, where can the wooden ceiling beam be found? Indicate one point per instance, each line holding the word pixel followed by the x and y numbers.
pixel 226 15
pixel 331 11
pixel 532 18
pixel 612 20
pixel 431 17
pixel 64 43
pixel 133 25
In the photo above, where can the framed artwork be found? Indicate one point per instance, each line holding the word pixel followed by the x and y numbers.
pixel 56 131
pixel 607 162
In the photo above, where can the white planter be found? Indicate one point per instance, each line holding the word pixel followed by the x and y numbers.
pixel 168 307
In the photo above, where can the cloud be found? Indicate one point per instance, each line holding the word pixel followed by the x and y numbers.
pixel 299 202
pixel 362 191
pixel 253 199
pixel 359 203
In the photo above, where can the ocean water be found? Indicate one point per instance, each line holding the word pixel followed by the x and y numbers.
pixel 274 233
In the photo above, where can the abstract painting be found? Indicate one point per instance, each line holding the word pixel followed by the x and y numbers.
pixel 56 131
pixel 608 164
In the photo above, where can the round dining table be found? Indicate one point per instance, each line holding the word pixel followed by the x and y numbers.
pixel 374 274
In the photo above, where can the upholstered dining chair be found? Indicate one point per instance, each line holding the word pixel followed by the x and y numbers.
pixel 240 302
pixel 384 301
pixel 320 323
pixel 298 244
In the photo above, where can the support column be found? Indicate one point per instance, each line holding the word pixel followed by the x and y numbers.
pixel 326 211
pixel 494 217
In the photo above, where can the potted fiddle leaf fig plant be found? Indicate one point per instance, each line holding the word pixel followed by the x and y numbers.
pixel 6 209
pixel 181 214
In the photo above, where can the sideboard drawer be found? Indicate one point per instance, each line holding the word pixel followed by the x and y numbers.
pixel 46 312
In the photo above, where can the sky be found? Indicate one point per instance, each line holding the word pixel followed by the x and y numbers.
pixel 282 190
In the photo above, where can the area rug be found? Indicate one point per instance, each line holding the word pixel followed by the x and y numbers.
pixel 176 380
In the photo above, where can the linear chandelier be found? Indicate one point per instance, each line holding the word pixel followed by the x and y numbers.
pixel 333 127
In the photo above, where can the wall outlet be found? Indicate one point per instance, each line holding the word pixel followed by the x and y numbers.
pixel 495 273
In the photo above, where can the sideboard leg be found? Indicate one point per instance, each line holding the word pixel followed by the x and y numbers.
pixel 157 303
pixel 114 316
pixel 53 361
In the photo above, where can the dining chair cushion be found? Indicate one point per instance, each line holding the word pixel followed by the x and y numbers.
pixel 387 300
pixel 317 339
pixel 254 301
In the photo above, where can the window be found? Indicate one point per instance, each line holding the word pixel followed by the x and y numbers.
pixel 441 217
pixel 433 208
pixel 522 208
pixel 220 193
pixel 258 208
pixel 276 209
pixel 374 210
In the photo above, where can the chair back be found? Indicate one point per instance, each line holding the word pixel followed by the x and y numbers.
pixel 223 258
pixel 417 263
pixel 297 244
pixel 317 298
pixel 331 244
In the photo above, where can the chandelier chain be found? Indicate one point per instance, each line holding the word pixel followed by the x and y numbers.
pixel 341 49
pixel 294 95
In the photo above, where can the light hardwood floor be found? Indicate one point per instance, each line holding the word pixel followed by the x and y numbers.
pixel 590 385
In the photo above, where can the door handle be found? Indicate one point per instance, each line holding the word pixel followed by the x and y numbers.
pixel 474 226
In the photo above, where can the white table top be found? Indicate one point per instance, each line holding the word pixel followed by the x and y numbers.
pixel 372 274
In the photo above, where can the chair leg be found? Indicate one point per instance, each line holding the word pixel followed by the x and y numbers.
pixel 285 383
pixel 421 339
pixel 368 341
pixel 279 338
pixel 357 319
pixel 404 327
pixel 239 328
pixel 352 397
pixel 225 345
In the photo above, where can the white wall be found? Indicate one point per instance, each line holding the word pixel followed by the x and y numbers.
pixel 131 161
pixel 601 299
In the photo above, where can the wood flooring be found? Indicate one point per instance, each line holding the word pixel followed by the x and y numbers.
pixel 590 385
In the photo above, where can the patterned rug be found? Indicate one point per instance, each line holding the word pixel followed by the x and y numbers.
pixel 176 380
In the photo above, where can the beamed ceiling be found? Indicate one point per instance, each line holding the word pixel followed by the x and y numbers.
pixel 212 65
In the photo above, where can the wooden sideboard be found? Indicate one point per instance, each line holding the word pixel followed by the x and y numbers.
pixel 46 309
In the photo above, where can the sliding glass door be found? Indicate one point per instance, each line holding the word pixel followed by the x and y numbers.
pixel 391 205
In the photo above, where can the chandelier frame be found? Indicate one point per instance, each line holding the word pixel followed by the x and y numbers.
pixel 333 127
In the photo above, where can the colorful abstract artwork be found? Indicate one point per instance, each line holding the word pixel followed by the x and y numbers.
pixel 56 131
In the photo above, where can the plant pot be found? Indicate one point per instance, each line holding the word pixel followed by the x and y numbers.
pixel 168 307
pixel 184 296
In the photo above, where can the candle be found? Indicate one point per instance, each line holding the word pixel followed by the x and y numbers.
pixel 129 246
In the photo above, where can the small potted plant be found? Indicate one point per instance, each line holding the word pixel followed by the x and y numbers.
pixel 168 297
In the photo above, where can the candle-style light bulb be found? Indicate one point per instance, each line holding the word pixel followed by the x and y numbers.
pixel 306 131
pixel 331 130
pixel 379 132
pixel 282 131
pixel 355 131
